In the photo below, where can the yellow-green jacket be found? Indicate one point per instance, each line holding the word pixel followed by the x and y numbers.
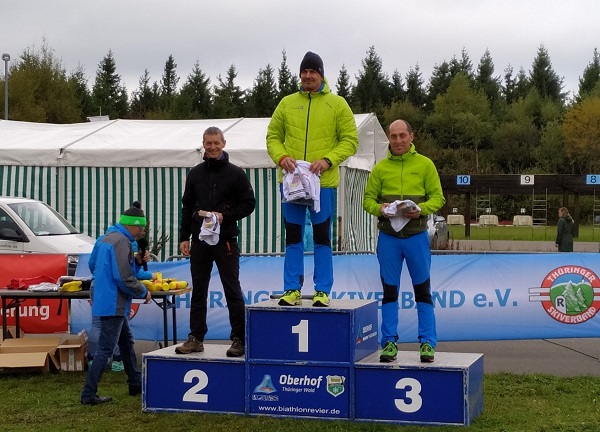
pixel 313 126
pixel 409 176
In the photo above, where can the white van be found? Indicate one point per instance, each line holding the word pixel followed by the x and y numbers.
pixel 30 226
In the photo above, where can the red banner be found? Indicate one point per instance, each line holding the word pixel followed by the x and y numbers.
pixel 35 316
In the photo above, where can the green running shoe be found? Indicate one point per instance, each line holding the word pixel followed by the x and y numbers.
pixel 389 352
pixel 291 298
pixel 320 299
pixel 426 352
pixel 117 366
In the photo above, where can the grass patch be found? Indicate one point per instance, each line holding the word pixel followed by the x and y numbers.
pixel 50 402
pixel 587 233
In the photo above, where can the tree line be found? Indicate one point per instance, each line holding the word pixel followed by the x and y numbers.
pixel 468 119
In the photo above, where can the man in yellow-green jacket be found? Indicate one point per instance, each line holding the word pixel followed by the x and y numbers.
pixel 316 126
pixel 404 177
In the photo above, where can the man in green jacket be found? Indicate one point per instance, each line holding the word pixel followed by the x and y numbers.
pixel 316 126
pixel 404 175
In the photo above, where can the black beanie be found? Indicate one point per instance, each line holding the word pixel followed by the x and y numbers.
pixel 314 62
pixel 134 215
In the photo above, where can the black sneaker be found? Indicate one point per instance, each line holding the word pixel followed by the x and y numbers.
pixel 237 348
pixel 189 346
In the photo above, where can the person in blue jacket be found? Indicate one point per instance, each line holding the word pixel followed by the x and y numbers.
pixel 116 363
pixel 113 266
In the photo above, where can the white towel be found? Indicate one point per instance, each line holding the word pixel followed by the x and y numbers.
pixel 210 229
pixel 44 287
pixel 302 186
pixel 396 211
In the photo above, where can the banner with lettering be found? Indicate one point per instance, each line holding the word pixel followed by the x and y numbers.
pixel 476 296
pixel 35 316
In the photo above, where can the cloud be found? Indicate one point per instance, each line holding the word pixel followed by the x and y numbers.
pixel 251 35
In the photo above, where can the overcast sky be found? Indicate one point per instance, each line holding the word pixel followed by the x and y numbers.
pixel 253 33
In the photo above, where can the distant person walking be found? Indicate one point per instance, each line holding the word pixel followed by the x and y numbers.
pixel 564 231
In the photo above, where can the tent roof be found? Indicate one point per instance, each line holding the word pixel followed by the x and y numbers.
pixel 157 143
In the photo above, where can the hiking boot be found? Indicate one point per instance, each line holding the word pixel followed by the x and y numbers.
pixel 389 352
pixel 189 346
pixel 320 299
pixel 117 366
pixel 96 400
pixel 291 298
pixel 426 352
pixel 237 348
pixel 135 390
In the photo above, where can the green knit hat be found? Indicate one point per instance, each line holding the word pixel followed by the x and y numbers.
pixel 133 216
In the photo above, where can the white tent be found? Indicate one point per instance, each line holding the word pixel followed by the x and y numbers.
pixel 91 171
pixel 155 143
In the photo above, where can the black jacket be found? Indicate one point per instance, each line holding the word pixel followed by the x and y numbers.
pixel 215 185
pixel 564 234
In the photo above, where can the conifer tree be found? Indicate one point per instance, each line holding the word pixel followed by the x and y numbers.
pixel 287 82
pixel 144 99
pixel 485 79
pixel 372 90
pixel 229 97
pixel 591 76
pixel 109 96
pixel 263 96
pixel 169 81
pixel 543 78
pixel 195 98
pixel 344 89
pixel 397 87
pixel 415 94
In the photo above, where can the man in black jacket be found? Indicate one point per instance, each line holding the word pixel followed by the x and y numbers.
pixel 217 195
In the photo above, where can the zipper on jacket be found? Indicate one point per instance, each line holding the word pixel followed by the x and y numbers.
pixel 307 118
pixel 401 177
pixel 212 189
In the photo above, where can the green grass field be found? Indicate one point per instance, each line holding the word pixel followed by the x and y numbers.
pixel 50 402
pixel 587 233
pixel 532 403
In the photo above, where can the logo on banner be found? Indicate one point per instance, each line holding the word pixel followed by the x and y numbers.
pixel 335 385
pixel 364 332
pixel 265 387
pixel 569 294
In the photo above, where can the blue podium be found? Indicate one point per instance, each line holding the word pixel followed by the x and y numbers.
pixel 342 333
pixel 315 362
pixel 301 358
pixel 207 381
pixel 448 391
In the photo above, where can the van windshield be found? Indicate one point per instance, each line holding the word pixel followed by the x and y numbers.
pixel 42 219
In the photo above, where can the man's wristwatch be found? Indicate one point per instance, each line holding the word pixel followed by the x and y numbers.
pixel 328 162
